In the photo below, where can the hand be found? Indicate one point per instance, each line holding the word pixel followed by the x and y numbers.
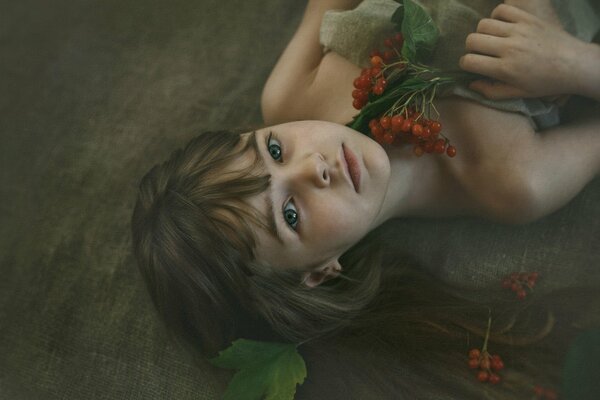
pixel 527 57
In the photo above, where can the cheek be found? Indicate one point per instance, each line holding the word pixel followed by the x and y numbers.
pixel 342 222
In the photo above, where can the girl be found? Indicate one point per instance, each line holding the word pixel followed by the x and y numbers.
pixel 277 233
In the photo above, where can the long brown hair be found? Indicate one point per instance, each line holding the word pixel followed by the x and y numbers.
pixel 193 240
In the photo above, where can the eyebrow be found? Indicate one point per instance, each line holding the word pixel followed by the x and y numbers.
pixel 273 230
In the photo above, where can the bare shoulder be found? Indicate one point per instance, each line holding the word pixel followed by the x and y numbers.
pixel 307 83
pixel 493 149
pixel 324 93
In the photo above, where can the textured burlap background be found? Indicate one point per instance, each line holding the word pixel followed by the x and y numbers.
pixel 92 94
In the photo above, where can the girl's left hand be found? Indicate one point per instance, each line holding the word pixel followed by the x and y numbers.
pixel 526 56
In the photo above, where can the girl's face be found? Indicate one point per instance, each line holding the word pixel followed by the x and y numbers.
pixel 328 183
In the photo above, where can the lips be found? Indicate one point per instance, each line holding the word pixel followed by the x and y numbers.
pixel 353 167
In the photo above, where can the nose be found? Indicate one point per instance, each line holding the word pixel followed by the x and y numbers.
pixel 313 169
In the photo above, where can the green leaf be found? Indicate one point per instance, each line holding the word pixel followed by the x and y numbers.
pixel 266 370
pixel 419 31
pixel 398 15
pixel 377 107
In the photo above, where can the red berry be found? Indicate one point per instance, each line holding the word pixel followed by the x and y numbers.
pixel 417 129
pixel 521 294
pixel 386 122
pixel 406 125
pixel 378 90
pixel 436 127
pixel 398 38
pixel 531 282
pixel 451 151
pixel 388 55
pixel 388 138
pixel 388 42
pixel 439 146
pixel 397 121
pixel 364 95
pixel 376 61
pixel 372 123
pixel 506 283
pixel 474 353
pixel 515 286
pixel 497 365
pixel 494 379
pixel 483 376
pixel 363 82
pixel 426 132
pixel 473 363
pixel 377 130
pixel 358 104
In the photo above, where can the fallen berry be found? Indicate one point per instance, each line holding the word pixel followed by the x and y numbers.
pixel 483 376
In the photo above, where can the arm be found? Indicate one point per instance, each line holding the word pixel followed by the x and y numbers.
pixel 507 172
pixel 530 57
pixel 293 89
pixel 563 160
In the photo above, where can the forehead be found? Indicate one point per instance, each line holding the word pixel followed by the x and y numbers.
pixel 260 204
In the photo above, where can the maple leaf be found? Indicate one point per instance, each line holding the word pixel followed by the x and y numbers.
pixel 266 370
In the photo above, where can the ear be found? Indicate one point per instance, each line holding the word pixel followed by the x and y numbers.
pixel 324 273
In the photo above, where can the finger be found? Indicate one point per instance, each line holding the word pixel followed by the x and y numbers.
pixel 482 65
pixel 496 90
pixel 508 13
pixel 484 44
pixel 494 27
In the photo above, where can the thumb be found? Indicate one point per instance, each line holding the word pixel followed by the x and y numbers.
pixel 496 90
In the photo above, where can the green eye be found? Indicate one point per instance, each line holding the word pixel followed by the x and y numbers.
pixel 291 215
pixel 275 151
pixel 274 148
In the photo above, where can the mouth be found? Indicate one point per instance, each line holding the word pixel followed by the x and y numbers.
pixel 352 167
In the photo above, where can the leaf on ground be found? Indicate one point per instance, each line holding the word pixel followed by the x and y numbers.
pixel 266 370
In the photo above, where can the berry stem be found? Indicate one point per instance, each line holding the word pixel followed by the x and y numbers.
pixel 487 333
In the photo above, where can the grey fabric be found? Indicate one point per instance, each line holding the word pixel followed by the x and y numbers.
pixel 354 33
pixel 94 93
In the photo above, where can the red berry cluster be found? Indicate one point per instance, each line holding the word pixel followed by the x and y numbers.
pixel 403 124
pixel 544 393
pixel 517 282
pixel 486 364
pixel 372 80
pixel 411 127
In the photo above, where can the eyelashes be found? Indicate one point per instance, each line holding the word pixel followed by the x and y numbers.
pixel 290 213
pixel 274 149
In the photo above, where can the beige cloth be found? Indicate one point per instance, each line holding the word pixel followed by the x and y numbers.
pixel 354 33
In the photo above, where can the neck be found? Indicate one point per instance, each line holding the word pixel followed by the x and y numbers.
pixel 419 187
